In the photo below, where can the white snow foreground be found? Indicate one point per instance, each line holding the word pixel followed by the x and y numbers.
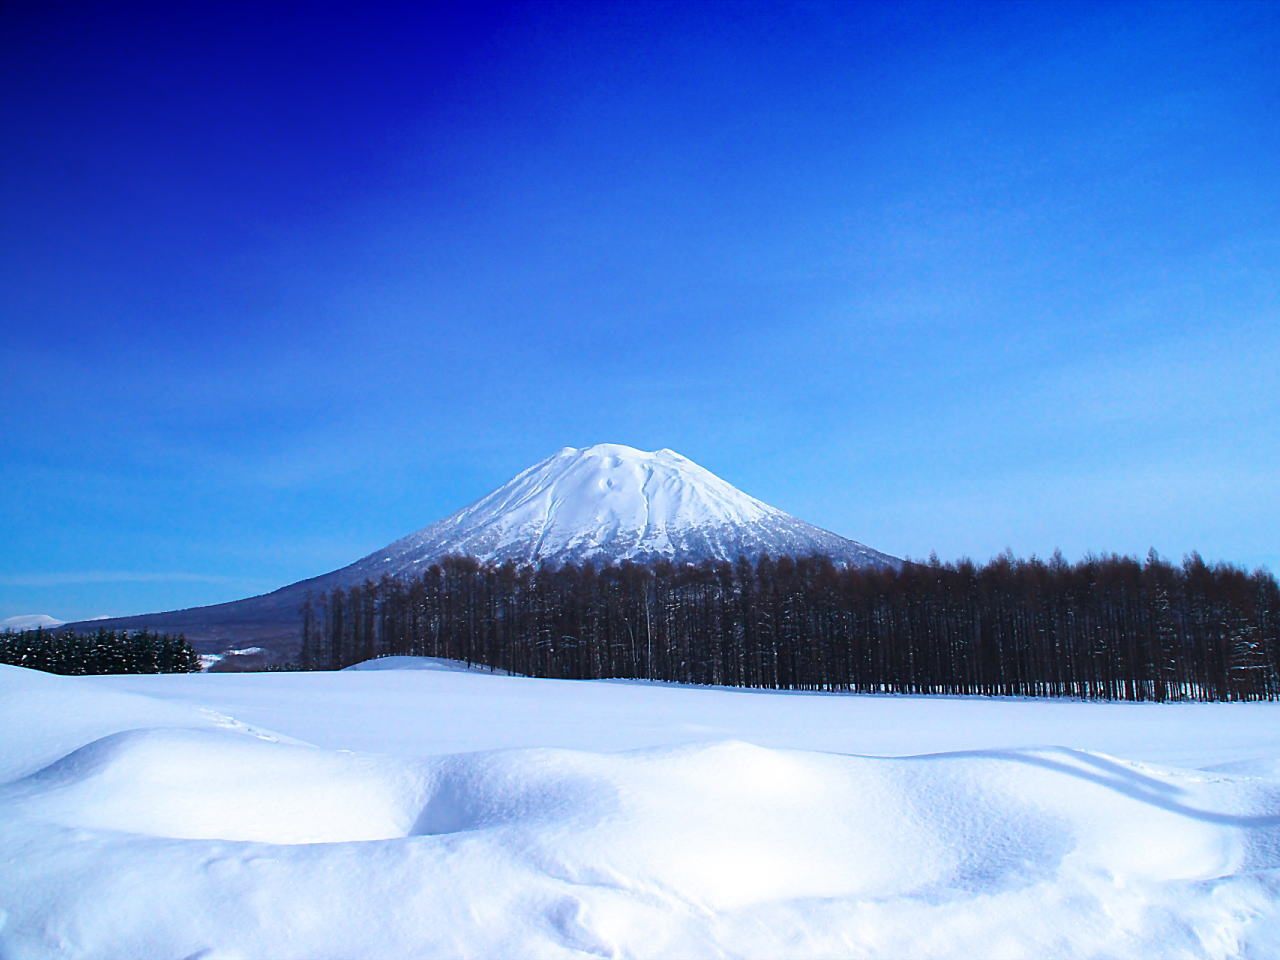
pixel 134 827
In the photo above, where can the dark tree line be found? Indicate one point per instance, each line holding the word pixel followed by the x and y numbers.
pixel 105 651
pixel 1107 627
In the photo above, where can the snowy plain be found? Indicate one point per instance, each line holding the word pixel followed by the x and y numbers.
pixel 419 809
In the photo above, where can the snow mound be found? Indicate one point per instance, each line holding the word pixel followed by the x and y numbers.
pixel 205 783
pixel 43 717
pixel 155 841
pixel 423 663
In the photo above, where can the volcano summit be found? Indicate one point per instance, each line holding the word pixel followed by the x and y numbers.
pixel 600 504
pixel 611 503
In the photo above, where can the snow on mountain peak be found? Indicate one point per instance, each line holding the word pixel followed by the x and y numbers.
pixel 611 484
pixel 605 503
pixel 613 502
pixel 29 621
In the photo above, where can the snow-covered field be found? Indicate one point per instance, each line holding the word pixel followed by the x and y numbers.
pixel 439 812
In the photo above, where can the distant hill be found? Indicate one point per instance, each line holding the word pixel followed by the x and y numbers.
pixel 29 621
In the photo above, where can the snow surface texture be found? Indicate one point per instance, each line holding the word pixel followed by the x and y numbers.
pixel 156 826
pixel 614 502
pixel 423 663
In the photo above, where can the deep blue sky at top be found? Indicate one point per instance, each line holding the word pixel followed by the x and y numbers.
pixel 281 283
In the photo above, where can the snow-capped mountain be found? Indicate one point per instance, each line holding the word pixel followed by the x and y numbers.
pixel 611 502
pixel 29 621
pixel 604 503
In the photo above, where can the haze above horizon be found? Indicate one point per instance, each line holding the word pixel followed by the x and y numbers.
pixel 285 283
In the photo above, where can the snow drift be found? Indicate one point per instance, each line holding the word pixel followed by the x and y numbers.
pixel 190 836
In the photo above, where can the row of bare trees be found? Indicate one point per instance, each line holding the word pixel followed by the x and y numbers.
pixel 1108 627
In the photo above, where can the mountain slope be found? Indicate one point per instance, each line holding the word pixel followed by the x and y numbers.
pixel 611 502
pixel 604 503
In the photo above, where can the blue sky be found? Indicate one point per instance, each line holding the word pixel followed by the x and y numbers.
pixel 280 285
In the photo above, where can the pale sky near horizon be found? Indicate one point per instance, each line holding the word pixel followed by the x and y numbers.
pixel 282 283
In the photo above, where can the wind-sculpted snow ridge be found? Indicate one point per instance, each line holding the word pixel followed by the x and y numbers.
pixel 212 843
pixel 611 502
